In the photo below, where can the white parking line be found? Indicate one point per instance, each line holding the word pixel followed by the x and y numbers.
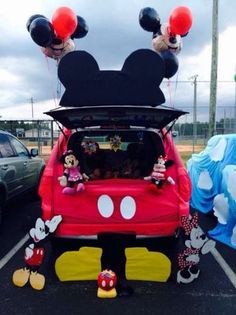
pixel 226 268
pixel 13 251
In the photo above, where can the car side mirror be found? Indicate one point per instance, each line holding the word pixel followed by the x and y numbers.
pixel 174 134
pixel 34 152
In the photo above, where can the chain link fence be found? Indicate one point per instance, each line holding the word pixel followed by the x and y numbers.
pixel 193 97
pixel 42 134
pixel 190 131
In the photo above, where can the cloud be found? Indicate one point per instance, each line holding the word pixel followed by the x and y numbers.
pixel 114 32
pixel 24 110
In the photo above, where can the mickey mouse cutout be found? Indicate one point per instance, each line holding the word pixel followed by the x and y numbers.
pixel 34 254
pixel 160 174
pixel 197 244
pixel 72 179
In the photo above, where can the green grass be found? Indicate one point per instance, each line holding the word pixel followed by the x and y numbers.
pixel 185 156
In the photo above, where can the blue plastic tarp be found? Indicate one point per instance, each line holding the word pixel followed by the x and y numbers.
pixel 213 176
pixel 224 207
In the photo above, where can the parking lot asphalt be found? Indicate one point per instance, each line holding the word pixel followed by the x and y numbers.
pixel 212 293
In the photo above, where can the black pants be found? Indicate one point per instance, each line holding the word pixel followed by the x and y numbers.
pixel 113 256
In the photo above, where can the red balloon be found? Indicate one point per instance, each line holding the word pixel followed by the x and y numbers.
pixel 180 20
pixel 64 22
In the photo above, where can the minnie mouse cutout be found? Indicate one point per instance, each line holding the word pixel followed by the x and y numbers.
pixel 72 179
pixel 159 174
pixel 198 243
pixel 34 254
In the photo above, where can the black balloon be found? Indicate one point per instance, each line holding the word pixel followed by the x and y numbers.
pixel 81 29
pixel 171 63
pixel 31 18
pixel 149 20
pixel 42 32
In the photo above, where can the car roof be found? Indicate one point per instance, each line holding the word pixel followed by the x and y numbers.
pixel 5 132
pixel 140 116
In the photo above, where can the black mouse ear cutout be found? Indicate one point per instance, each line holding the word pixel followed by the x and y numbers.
pixel 146 65
pixel 77 66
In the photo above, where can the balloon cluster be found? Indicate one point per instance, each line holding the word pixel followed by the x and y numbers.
pixel 167 37
pixel 56 37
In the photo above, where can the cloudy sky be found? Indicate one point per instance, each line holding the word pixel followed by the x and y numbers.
pixel 114 32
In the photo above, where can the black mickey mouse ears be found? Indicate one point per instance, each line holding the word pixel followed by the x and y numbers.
pixel 137 83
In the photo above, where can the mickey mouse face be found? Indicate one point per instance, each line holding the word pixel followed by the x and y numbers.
pixel 40 231
pixel 59 50
pixel 167 41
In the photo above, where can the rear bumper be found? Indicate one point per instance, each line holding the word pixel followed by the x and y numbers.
pixel 71 230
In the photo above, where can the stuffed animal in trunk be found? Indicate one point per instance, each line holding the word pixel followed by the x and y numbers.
pixel 159 173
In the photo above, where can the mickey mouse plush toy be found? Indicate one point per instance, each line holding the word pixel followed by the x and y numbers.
pixel 72 179
pixel 159 173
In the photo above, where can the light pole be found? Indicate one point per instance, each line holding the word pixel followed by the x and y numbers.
pixel 214 64
pixel 32 107
pixel 32 114
pixel 194 78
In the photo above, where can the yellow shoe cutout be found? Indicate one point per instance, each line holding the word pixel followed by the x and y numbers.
pixel 142 264
pixel 37 280
pixel 103 294
pixel 20 277
pixel 84 264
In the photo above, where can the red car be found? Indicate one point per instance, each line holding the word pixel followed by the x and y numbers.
pixel 123 203
pixel 117 146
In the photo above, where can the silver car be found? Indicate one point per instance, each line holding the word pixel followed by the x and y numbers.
pixel 20 169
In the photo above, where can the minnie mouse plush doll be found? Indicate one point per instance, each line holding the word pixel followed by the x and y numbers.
pixel 72 179
pixel 159 173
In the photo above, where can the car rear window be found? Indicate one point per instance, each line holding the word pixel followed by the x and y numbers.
pixel 107 154
pixel 6 149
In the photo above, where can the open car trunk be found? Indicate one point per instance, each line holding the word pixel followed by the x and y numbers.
pixel 145 116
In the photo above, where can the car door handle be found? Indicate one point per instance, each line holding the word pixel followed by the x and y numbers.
pixel 25 164
pixel 5 167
